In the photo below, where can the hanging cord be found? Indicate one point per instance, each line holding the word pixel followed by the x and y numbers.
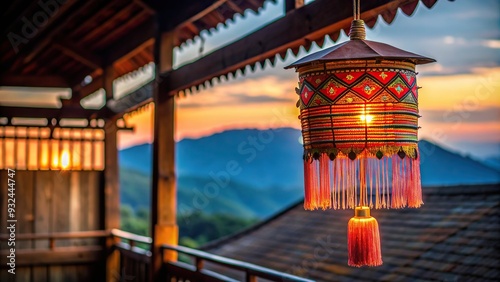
pixel 358 25
pixel 355 6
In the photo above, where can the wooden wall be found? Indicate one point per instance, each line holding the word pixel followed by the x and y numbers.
pixel 53 201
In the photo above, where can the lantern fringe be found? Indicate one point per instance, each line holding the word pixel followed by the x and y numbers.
pixel 410 151
pixel 391 182
pixel 363 240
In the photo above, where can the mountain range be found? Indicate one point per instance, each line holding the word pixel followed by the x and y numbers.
pixel 256 173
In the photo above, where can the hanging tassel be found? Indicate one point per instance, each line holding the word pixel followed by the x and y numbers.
pixel 415 192
pixel 363 239
pixel 325 196
pixel 311 184
pixel 307 184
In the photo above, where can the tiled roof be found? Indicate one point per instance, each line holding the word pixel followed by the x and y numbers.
pixel 455 236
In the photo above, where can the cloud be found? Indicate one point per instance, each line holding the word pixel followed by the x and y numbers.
pixel 238 99
pixel 460 41
pixel 260 99
pixel 457 115
pixel 494 44
pixel 452 40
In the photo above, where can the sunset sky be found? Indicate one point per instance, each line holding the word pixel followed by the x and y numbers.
pixel 459 101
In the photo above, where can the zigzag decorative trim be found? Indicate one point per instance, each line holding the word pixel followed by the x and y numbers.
pixel 352 86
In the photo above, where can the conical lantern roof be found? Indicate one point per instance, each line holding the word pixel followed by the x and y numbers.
pixel 361 50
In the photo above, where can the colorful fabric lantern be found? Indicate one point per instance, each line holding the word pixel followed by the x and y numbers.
pixel 359 115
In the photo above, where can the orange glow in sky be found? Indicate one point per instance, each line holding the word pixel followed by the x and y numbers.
pixel 451 107
pixel 458 102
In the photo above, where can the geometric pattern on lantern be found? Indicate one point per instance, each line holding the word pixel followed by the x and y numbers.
pixel 332 89
pixel 349 77
pixel 372 85
pixel 398 88
pixel 306 93
pixel 367 88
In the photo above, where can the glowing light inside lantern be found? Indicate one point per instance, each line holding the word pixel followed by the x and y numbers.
pixel 368 118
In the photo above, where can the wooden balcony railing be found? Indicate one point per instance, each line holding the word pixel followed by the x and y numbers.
pixel 62 256
pixel 86 251
pixel 179 271
pixel 135 262
pixel 83 249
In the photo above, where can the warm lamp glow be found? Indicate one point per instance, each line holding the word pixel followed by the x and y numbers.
pixel 65 159
pixel 55 161
pixel 368 118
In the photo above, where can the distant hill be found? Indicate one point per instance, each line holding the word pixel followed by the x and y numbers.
pixel 137 158
pixel 493 162
pixel 255 173
pixel 199 194
pixel 440 167
pixel 263 157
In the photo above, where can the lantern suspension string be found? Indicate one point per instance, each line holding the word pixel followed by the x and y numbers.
pixel 356 10
pixel 357 26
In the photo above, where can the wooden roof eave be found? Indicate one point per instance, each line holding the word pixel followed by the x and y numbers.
pixel 120 53
pixel 57 113
pixel 309 23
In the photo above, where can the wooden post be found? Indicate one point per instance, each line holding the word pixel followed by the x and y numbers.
pixel 108 77
pixel 164 185
pixel 111 197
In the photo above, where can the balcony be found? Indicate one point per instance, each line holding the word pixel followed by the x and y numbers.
pixel 89 255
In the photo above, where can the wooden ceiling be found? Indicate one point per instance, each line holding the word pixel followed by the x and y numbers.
pixel 60 44
pixel 55 43
pixel 300 27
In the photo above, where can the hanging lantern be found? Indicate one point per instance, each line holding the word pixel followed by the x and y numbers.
pixel 359 117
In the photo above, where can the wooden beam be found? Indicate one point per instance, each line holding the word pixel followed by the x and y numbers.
pixel 79 54
pixel 96 84
pixel 39 40
pixel 51 10
pixel 134 39
pixel 46 38
pixel 49 113
pixel 107 81
pixel 264 44
pixel 164 183
pixel 133 100
pixel 34 81
pixel 200 12
pixel 235 7
pixel 176 13
pixel 59 256
pixel 111 196
pixel 300 26
pixel 94 18
pixel 109 22
pixel 145 6
pixel 124 28
pixel 291 5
